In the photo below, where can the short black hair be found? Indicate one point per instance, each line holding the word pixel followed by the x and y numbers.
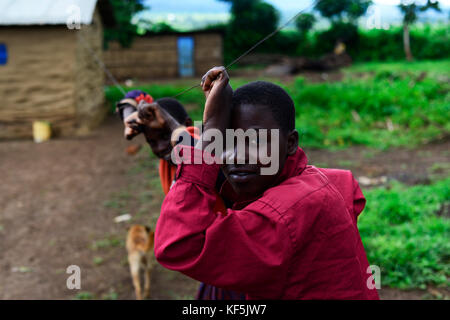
pixel 174 108
pixel 271 95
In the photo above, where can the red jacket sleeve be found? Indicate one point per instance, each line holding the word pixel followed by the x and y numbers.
pixel 359 201
pixel 348 187
pixel 246 250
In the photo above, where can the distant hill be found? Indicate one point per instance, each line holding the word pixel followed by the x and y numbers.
pixel 187 6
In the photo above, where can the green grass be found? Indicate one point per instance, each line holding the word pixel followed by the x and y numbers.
pixel 406 232
pixel 111 295
pixel 418 107
pixel 418 110
pixel 84 295
pixel 434 67
pixel 98 260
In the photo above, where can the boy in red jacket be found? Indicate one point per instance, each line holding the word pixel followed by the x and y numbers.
pixel 290 235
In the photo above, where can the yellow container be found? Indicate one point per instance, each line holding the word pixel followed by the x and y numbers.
pixel 41 131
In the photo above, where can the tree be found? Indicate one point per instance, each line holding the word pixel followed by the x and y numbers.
pixel 343 15
pixel 124 30
pixel 332 9
pixel 410 10
pixel 338 10
pixel 305 22
pixel 357 8
pixel 250 21
pixel 253 15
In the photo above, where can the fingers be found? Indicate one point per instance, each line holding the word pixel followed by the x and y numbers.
pixel 130 133
pixel 152 115
pixel 212 75
pixel 215 74
pixel 146 111
pixel 131 126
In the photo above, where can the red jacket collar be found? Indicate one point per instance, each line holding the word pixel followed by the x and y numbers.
pixel 293 166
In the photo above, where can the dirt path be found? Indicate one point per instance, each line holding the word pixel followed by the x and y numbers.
pixel 409 166
pixel 58 201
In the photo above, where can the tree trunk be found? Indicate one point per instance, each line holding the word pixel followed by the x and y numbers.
pixel 406 44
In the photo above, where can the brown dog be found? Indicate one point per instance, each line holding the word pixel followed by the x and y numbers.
pixel 140 252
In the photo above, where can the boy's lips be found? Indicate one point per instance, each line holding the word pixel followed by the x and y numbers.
pixel 241 175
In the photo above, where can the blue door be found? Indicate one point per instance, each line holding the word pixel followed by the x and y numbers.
pixel 3 54
pixel 186 56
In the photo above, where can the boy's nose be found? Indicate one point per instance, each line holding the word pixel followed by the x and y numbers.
pixel 228 156
pixel 239 156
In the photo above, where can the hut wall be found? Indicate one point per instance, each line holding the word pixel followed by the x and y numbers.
pixel 157 56
pixel 208 52
pixel 89 77
pixel 37 81
pixel 154 57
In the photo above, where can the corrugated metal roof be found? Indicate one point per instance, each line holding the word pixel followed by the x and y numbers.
pixel 43 12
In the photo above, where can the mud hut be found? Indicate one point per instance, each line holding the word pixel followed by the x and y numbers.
pixel 47 69
pixel 167 55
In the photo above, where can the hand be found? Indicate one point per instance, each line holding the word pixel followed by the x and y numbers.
pixel 131 126
pixel 152 116
pixel 218 93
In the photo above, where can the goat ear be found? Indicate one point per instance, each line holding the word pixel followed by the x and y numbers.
pixel 148 229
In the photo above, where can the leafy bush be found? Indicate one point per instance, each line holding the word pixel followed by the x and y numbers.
pixel 339 31
pixel 418 110
pixel 251 20
pixel 305 22
pixel 405 231
pixel 427 42
pixel 283 42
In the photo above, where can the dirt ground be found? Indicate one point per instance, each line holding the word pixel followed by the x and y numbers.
pixel 59 199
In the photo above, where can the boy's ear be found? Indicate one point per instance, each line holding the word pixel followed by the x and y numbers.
pixel 292 142
pixel 188 122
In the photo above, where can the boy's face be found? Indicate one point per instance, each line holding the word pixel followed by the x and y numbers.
pixel 246 179
pixel 159 140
